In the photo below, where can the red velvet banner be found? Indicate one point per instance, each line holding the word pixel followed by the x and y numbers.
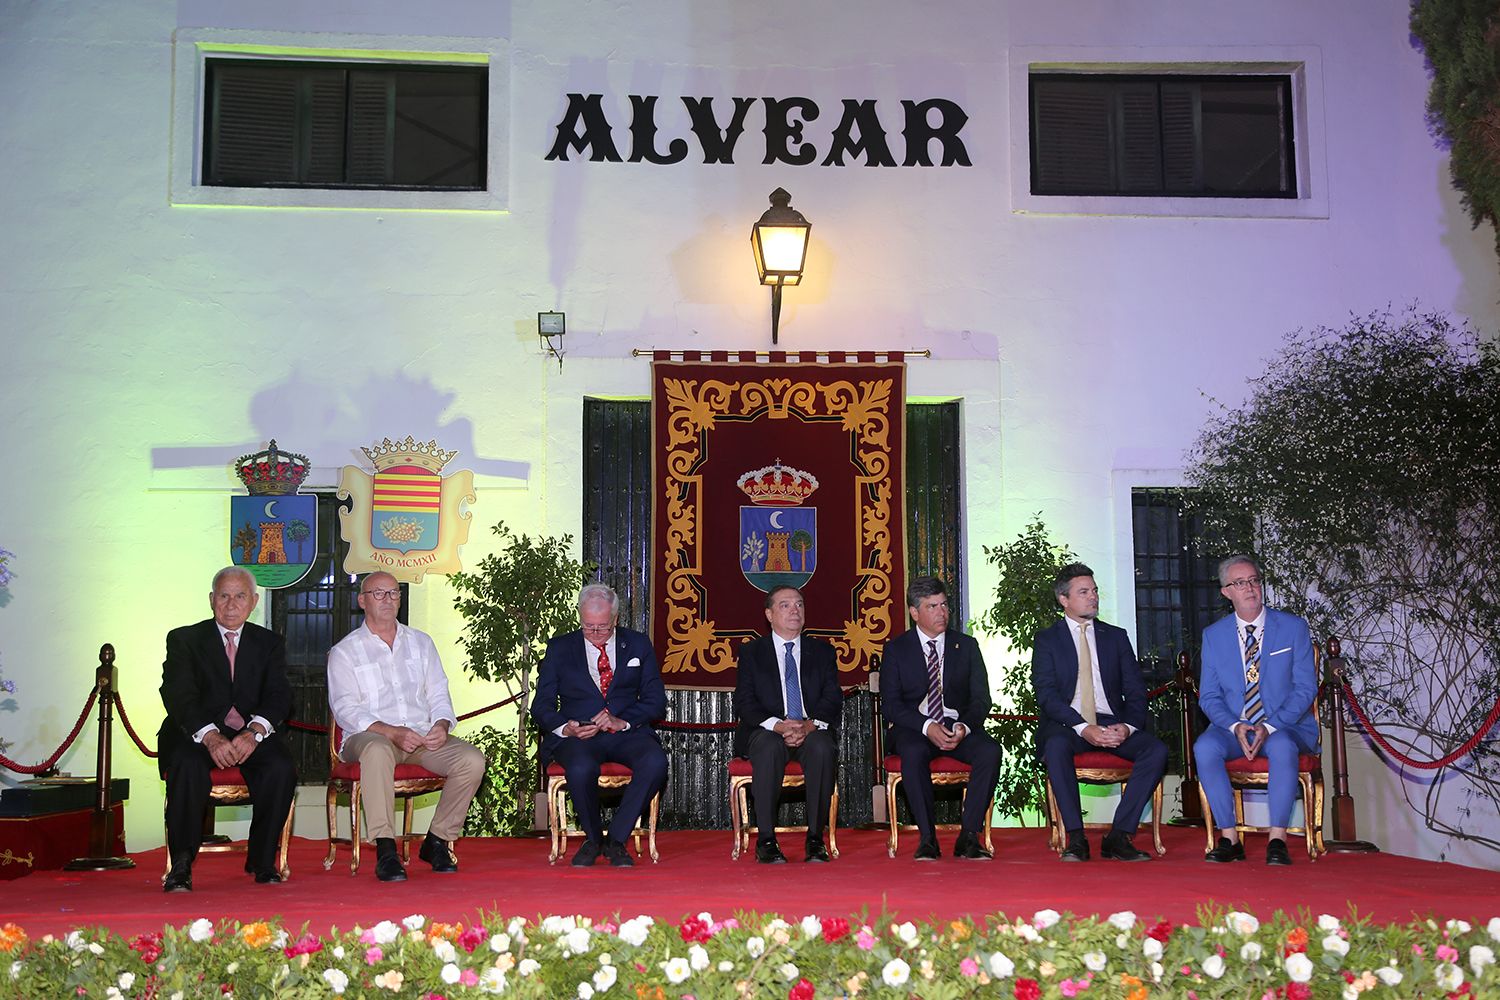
pixel 770 474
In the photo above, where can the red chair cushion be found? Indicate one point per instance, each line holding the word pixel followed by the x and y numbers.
pixel 941 764
pixel 739 767
pixel 1305 762
pixel 1100 759
pixel 606 770
pixel 226 776
pixel 345 771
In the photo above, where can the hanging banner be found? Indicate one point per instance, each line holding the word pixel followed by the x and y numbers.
pixel 768 475
pixel 407 518
pixel 273 532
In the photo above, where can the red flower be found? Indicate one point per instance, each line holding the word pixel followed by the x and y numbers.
pixel 1298 991
pixel 802 991
pixel 472 938
pixel 834 928
pixel 1162 931
pixel 1464 990
pixel 1027 989
pixel 148 946
pixel 694 929
pixel 307 944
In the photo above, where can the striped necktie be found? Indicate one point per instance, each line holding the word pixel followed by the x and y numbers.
pixel 934 683
pixel 1255 712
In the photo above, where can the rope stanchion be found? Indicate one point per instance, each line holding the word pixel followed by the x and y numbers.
pixel 1412 762
pixel 693 726
pixel 1345 839
pixel 130 730
pixel 100 839
pixel 1192 804
pixel 47 764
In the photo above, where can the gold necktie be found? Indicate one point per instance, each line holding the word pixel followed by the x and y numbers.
pixel 1086 677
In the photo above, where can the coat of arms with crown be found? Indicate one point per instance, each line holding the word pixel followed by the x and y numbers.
pixel 778 534
pixel 407 518
pixel 273 532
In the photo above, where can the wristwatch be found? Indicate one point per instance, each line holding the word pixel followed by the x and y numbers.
pixel 259 736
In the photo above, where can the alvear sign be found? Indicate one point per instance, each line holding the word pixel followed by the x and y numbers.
pixel 860 137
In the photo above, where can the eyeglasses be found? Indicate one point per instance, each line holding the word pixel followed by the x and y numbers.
pixel 597 629
pixel 383 595
pixel 1245 584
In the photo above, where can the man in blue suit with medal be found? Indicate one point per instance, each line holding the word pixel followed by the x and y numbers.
pixel 1090 696
pixel 597 692
pixel 1258 685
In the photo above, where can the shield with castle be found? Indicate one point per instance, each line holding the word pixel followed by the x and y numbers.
pixel 779 531
pixel 273 532
pixel 407 518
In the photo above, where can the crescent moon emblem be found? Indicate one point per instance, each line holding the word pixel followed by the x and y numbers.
pixel 271 508
pixel 776 519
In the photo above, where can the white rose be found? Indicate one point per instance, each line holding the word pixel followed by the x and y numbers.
pixel 126 980
pixel 1028 933
pixel 605 977
pixel 414 922
pixel 896 973
pixel 1243 924
pixel 527 967
pixel 725 966
pixel 449 973
pixel 1493 928
pixel 811 926
pixel 1458 926
pixel 492 980
pixel 444 950
pixel 96 947
pixel 585 991
pixel 1250 951
pixel 1124 920
pixel 698 958
pixel 1350 992
pixel 676 970
pixel 1299 967
pixel 1000 966
pixel 633 931
pixel 1390 975
pixel 1336 945
pixel 1094 961
pixel 1151 948
pixel 385 932
pixel 338 952
pixel 15 970
pixel 280 940
pixel 113 993
pixel 1042 919
pixel 516 926
pixel 1327 923
pixel 1479 957
pixel 336 980
pixel 1449 976
pixel 706 917
pixel 1213 966
pixel 907 932
pixel 1156 972
pixel 577 940
pixel 788 971
pixel 76 942
pixel 1121 940
pixel 500 942
pixel 775 924
pixel 755 947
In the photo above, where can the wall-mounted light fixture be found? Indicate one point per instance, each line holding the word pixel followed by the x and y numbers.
pixel 779 240
pixel 550 327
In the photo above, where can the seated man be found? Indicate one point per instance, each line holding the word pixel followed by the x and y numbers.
pixel 788 703
pixel 389 695
pixel 1090 696
pixel 225 690
pixel 597 692
pixel 935 695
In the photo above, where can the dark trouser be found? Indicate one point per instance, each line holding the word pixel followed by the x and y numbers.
pixel 978 749
pixel 638 749
pixel 769 756
pixel 271 778
pixel 1148 757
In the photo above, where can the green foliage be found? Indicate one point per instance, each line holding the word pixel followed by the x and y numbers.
pixel 1462 41
pixel 1023 604
pixel 510 777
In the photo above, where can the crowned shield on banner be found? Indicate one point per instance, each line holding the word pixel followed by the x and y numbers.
pixel 779 532
pixel 407 518
pixel 273 532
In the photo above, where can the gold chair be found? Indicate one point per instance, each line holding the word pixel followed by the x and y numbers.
pixel 227 788
pixel 739 805
pixel 945 771
pixel 611 777
pixel 343 779
pixel 1100 767
pixel 1256 774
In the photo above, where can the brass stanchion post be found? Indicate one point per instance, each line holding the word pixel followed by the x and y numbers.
pixel 1192 805
pixel 1345 839
pixel 101 840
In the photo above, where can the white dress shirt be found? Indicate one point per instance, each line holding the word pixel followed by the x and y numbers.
pixel 949 714
pixel 399 685
pixel 265 723
pixel 1101 700
pixel 780 643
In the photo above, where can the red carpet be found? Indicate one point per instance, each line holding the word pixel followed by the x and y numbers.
pixel 695 874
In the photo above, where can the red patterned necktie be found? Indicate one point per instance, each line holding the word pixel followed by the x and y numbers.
pixel 234 720
pixel 605 673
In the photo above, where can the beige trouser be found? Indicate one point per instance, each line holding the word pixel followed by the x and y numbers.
pixel 460 763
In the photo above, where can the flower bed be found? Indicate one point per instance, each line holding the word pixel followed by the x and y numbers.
pixel 756 955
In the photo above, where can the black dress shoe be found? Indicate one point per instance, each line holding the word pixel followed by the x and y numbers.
pixel 179 879
pixel 1077 849
pixel 1117 845
pixel 1226 852
pixel 618 856
pixel 1277 854
pixel 927 850
pixel 387 861
pixel 967 846
pixel 768 852
pixel 434 851
pixel 269 876
pixel 588 853
pixel 816 851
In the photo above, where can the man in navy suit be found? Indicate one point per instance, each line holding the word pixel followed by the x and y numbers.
pixel 935 695
pixel 224 687
pixel 1258 685
pixel 788 702
pixel 597 692
pixel 1102 707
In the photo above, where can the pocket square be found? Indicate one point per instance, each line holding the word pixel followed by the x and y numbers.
pixel 1284 649
pixel 635 661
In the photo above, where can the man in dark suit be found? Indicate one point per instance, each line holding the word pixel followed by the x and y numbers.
pixel 1090 696
pixel 597 692
pixel 935 696
pixel 1258 688
pixel 788 703
pixel 225 690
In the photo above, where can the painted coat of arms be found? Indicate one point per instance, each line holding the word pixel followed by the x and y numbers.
pixel 407 518
pixel 273 532
pixel 778 535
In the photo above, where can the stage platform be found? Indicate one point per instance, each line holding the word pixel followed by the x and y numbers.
pixel 512 877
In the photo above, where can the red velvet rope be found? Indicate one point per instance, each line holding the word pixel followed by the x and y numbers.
pixel 130 730
pixel 46 765
pixel 689 726
pixel 1421 765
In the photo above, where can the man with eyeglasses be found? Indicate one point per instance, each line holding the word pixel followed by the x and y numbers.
pixel 225 690
pixel 597 692
pixel 389 695
pixel 1258 685
pixel 935 695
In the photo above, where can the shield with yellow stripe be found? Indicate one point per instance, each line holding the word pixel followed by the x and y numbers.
pixel 406 508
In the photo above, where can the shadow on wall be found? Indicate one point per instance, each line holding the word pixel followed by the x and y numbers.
pixel 330 422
